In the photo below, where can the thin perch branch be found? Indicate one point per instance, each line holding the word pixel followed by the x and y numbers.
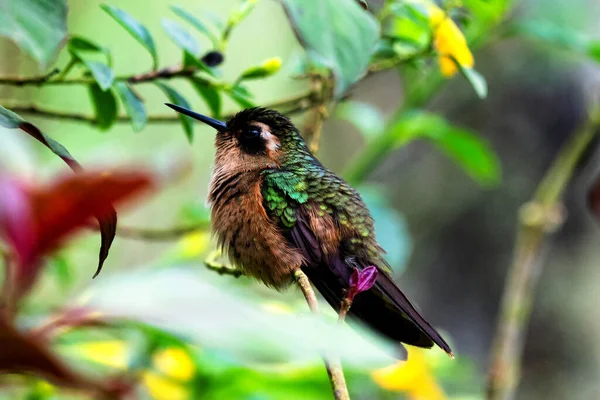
pixel 333 365
pixel 537 219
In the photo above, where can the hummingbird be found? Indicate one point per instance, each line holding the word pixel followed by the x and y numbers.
pixel 275 209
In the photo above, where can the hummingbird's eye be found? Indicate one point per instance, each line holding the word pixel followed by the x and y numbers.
pixel 251 132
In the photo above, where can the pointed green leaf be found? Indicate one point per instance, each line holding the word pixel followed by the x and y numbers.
pixel 241 96
pixel 469 151
pixel 190 60
pixel 241 13
pixel 366 117
pixel 133 106
pixel 345 43
pixel 211 96
pixel 83 50
pixel 81 45
pixel 553 34
pixel 105 106
pixel 39 27
pixel 196 23
pixel 101 73
pixel 178 99
pixel 473 154
pixel 9 119
pixel 476 80
pixel 181 37
pixel 135 29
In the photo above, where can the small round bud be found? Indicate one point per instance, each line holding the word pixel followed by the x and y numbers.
pixel 213 58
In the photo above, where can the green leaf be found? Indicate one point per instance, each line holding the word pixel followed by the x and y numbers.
pixel 59 265
pixel 196 23
pixel 133 106
pixel 83 44
pixel 181 37
pixel 364 116
pixel 240 14
pixel 189 60
pixel 410 26
pixel 107 221
pixel 211 96
pixel 560 37
pixel 245 330
pixel 552 34
pixel 78 44
pixel 39 27
pixel 469 151
pixel 81 49
pixel 345 43
pixel 105 106
pixel 472 154
pixel 135 29
pixel 476 80
pixel 594 50
pixel 9 119
pixel 101 72
pixel 178 99
pixel 390 226
pixel 241 96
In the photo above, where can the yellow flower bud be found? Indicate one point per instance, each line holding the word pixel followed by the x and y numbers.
pixel 267 68
pixel 272 65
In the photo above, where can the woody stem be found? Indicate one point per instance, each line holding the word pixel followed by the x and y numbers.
pixel 332 364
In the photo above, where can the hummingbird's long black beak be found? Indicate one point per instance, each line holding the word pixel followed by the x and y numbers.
pixel 215 123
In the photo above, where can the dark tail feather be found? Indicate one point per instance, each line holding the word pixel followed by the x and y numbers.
pixel 384 308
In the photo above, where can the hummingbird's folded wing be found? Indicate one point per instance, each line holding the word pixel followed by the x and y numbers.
pixel 334 235
pixel 384 308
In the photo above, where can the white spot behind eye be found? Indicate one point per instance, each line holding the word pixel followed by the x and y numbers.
pixel 270 139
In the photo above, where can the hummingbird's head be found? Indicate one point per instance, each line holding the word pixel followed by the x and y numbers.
pixel 254 139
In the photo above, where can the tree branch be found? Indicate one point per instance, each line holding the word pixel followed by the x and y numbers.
pixel 333 365
pixel 538 218
pixel 174 233
pixel 164 73
pixel 289 106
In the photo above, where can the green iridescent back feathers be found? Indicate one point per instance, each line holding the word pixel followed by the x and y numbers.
pixel 302 181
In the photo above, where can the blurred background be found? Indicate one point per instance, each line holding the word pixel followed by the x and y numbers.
pixel 450 238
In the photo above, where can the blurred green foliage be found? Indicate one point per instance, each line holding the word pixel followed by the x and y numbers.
pixel 186 332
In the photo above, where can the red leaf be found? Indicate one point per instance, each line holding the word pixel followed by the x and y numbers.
pixel 108 222
pixel 16 221
pixel 44 217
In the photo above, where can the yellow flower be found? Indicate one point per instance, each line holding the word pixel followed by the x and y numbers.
pixel 194 244
pixel 449 42
pixel 161 388
pixel 112 353
pixel 272 65
pixel 172 368
pixel 175 363
pixel 413 377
